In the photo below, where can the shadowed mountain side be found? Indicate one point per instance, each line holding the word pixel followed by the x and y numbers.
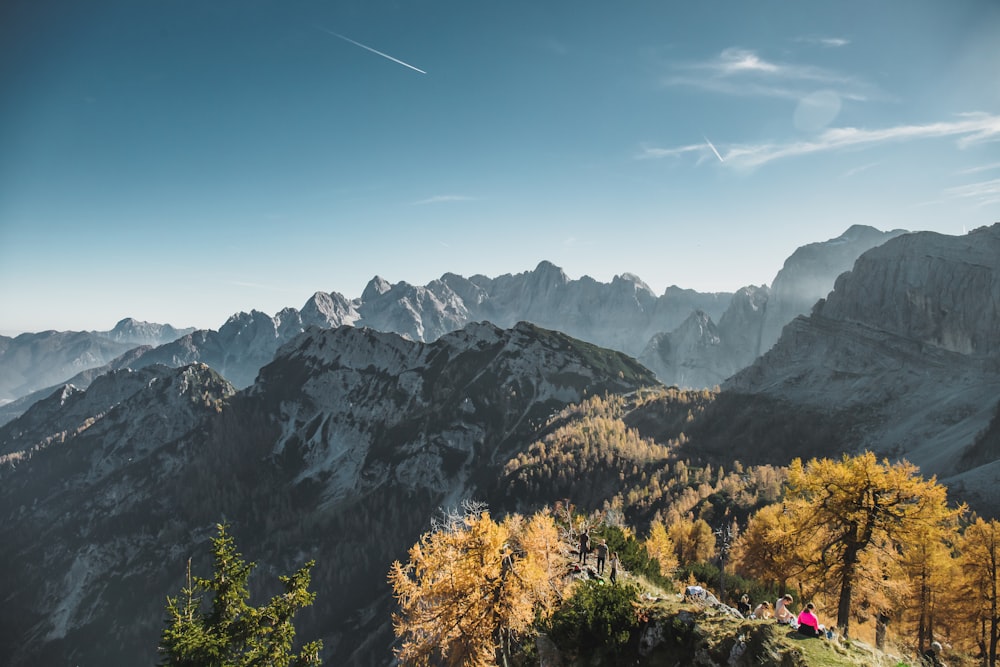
pixel 701 353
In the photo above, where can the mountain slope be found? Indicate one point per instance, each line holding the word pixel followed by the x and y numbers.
pixel 341 451
pixel 906 349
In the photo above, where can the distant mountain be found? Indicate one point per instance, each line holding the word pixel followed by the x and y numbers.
pixel 703 354
pixel 620 315
pixel 135 332
pixel 902 358
pixel 33 361
pixel 349 440
pixel 623 315
pixel 82 380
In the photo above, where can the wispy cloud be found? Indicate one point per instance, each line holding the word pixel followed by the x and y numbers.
pixel 857 170
pixel 829 42
pixel 981 168
pixel 983 193
pixel 968 129
pixel 742 72
pixel 440 199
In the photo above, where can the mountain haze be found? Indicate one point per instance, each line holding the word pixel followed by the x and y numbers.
pixel 687 338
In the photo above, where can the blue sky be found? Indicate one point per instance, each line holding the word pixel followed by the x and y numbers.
pixel 180 161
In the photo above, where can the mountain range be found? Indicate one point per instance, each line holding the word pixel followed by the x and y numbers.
pixel 674 335
pixel 348 439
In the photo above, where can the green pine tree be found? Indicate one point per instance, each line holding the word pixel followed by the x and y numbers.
pixel 232 633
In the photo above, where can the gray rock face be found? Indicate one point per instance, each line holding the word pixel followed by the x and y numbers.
pixel 809 275
pixel 687 354
pixel 909 343
pixel 621 315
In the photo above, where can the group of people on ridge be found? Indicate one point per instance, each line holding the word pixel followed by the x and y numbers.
pixel 601 552
pixel 806 622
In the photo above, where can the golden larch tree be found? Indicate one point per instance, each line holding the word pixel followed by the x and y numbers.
pixel 980 561
pixel 864 513
pixel 660 548
pixel 768 549
pixel 470 586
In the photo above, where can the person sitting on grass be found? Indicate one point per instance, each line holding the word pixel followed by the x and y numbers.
pixel 782 613
pixel 809 624
pixel 763 610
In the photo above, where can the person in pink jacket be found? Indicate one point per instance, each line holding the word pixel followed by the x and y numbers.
pixel 808 623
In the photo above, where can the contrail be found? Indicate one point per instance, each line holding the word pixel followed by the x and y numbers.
pixel 368 48
pixel 712 146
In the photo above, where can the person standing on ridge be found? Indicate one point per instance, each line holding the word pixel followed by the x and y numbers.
pixel 601 551
pixel 584 543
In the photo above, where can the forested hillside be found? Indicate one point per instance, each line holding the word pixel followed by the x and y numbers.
pixel 879 549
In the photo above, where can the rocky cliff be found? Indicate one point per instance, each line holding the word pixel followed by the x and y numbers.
pixel 907 350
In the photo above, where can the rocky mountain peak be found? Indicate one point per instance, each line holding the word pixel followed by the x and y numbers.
pixel 809 274
pixel 129 330
pixel 631 280
pixel 375 288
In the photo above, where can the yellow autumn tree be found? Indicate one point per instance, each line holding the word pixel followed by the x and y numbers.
pixel 694 541
pixel 980 561
pixel 768 549
pixel 931 570
pixel 660 548
pixel 864 513
pixel 471 586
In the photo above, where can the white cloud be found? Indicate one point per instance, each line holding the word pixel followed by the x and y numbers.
pixel 742 72
pixel 831 42
pixel 970 129
pixel 733 60
pixel 439 199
